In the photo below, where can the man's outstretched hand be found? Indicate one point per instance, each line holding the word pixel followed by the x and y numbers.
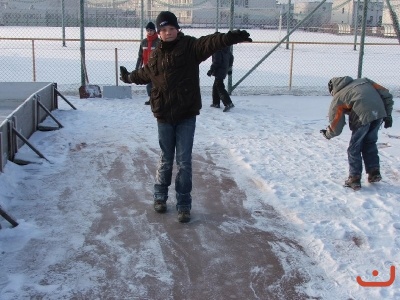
pixel 124 75
pixel 238 36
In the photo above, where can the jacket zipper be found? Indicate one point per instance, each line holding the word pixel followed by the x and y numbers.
pixel 166 59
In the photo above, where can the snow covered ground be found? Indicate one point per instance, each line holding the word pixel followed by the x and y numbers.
pixel 269 144
pixel 272 147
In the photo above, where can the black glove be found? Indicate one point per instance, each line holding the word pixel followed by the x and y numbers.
pixel 124 76
pixel 323 131
pixel 238 36
pixel 388 122
pixel 209 73
pixel 230 72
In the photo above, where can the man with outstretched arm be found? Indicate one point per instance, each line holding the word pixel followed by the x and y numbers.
pixel 175 100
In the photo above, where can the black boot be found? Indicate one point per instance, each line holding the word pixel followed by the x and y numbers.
pixel 228 107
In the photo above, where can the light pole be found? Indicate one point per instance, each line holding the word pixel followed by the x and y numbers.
pixel 231 23
pixel 82 38
pixel 62 22
pixel 363 30
pixel 288 21
pixel 217 17
pixel 355 20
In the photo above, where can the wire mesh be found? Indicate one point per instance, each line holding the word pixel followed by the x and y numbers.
pixel 40 41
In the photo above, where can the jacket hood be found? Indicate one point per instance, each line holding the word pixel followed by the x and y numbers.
pixel 340 82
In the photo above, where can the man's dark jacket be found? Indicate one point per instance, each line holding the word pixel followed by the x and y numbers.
pixel 173 68
pixel 222 62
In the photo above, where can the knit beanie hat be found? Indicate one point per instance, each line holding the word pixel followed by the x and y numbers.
pixel 166 18
pixel 151 26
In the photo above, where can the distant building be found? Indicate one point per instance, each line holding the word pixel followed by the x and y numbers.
pixel 386 19
pixel 344 12
pixel 247 13
pixel 128 13
pixel 38 4
pixel 320 17
pixel 205 12
pixel 101 13
pixel 387 22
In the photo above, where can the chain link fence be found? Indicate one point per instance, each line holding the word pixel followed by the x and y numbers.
pixel 40 41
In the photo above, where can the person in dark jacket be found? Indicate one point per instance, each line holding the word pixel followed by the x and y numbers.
pixel 147 45
pixel 221 66
pixel 368 105
pixel 175 101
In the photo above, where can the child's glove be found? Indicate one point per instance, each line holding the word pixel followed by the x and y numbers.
pixel 323 131
pixel 238 36
pixel 388 122
pixel 209 73
pixel 124 76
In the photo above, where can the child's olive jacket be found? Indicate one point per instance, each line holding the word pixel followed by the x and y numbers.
pixel 173 68
pixel 362 99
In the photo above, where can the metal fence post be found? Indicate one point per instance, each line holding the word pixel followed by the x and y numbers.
pixel 33 61
pixel 361 54
pixel 231 20
pixel 82 39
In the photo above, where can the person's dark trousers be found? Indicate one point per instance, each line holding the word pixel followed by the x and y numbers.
pixel 219 92
pixel 177 137
pixel 149 86
pixel 362 147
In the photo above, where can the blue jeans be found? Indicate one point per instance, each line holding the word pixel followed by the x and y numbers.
pixel 177 137
pixel 363 146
